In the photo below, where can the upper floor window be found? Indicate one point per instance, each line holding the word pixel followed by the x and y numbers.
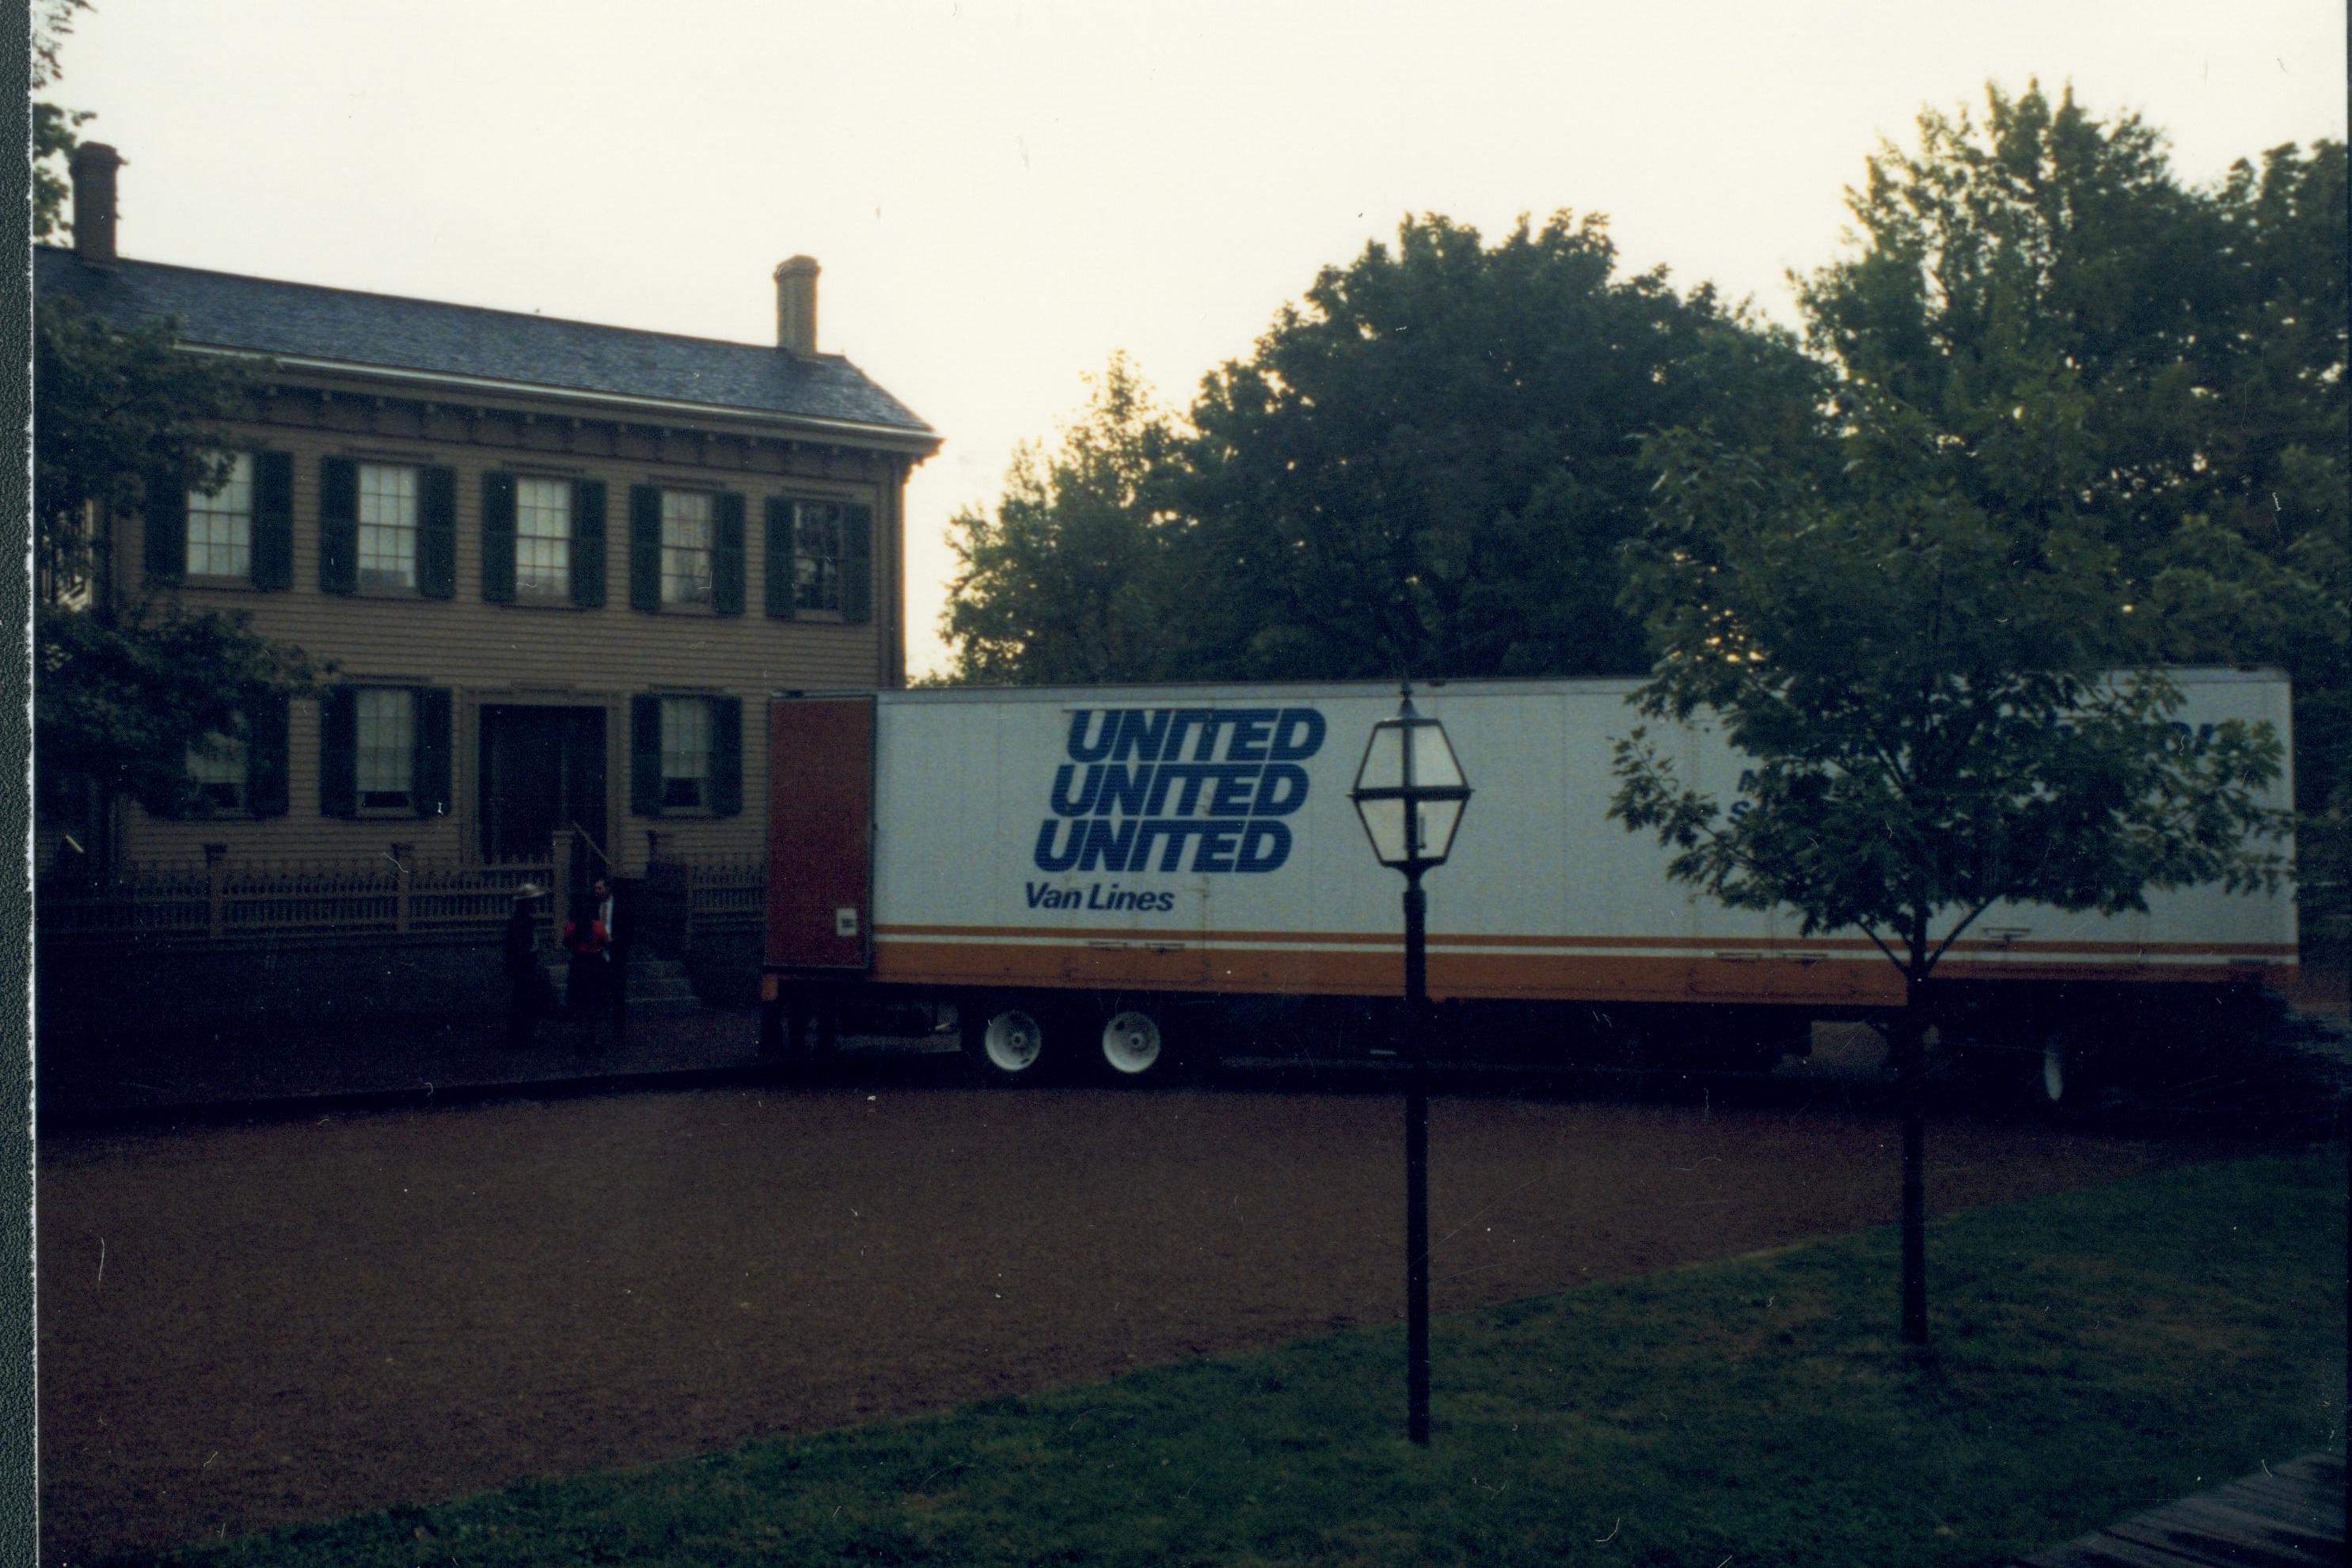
pixel 817 556
pixel 686 548
pixel 820 558
pixel 220 526
pixel 387 526
pixel 386 731
pixel 543 537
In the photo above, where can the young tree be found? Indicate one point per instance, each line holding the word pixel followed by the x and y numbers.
pixel 1429 464
pixel 1923 687
pixel 1066 581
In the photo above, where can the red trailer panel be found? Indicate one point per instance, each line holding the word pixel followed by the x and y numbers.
pixel 821 833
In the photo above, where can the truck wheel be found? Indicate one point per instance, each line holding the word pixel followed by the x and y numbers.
pixel 2061 1082
pixel 1132 1046
pixel 1005 1042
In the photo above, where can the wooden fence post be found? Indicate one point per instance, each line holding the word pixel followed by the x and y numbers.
pixel 559 879
pixel 217 890
pixel 402 856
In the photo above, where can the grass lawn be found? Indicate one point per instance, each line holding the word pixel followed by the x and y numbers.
pixel 2096 1353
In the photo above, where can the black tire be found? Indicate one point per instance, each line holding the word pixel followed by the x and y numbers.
pixel 1008 1039
pixel 2062 1077
pixel 1133 1046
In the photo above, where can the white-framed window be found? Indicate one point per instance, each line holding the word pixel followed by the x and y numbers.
pixel 686 752
pixel 686 548
pixel 387 526
pixel 220 526
pixel 386 734
pixel 543 539
pixel 816 555
pixel 218 763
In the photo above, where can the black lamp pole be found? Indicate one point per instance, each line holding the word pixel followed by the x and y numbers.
pixel 1408 795
pixel 1416 1151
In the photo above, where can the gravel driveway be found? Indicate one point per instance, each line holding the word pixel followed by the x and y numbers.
pixel 246 1326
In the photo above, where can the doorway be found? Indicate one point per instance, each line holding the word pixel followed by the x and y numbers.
pixel 543 769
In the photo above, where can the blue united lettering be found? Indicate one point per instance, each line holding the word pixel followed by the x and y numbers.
pixel 1173 789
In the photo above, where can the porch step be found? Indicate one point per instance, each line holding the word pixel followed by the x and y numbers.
pixel 658 988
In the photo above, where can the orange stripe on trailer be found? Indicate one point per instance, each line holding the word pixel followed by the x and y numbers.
pixel 1198 968
pixel 1308 972
pixel 2276 951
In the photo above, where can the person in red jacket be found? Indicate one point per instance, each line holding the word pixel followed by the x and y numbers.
pixel 587 941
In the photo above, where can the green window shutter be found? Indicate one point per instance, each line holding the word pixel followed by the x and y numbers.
pixel 437 533
pixel 338 525
pixel 644 756
pixel 265 754
pixel 499 537
pixel 726 555
pixel 645 547
pixel 588 543
pixel 430 787
pixel 273 521
pixel 726 757
pixel 166 529
pixel 780 557
pixel 338 753
pixel 857 563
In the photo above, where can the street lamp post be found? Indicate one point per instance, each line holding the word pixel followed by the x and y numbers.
pixel 1410 793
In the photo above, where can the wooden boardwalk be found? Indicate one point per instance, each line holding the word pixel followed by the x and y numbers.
pixel 2287 1517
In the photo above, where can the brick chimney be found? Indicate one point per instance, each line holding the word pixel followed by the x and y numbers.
pixel 92 168
pixel 796 305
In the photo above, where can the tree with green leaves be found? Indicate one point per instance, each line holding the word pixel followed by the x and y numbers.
pixel 1429 464
pixel 1923 694
pixel 125 686
pixel 1067 581
pixel 2162 366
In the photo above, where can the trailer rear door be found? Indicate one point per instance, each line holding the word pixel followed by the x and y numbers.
pixel 821 832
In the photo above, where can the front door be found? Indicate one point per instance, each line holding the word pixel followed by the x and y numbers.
pixel 542 769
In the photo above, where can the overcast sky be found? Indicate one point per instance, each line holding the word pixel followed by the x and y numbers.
pixel 1003 193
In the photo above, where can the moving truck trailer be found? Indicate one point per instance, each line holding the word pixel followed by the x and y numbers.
pixel 1105 879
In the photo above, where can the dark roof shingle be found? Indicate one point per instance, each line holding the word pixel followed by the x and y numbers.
pixel 259 315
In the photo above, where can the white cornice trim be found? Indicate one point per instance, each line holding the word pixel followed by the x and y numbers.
pixel 922 443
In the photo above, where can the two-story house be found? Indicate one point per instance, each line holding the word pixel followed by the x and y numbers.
pixel 557 567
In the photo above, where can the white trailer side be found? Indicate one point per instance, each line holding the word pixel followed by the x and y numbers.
pixel 1198 841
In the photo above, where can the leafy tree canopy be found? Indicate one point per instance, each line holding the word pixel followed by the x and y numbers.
pixel 2041 322
pixel 120 417
pixel 124 688
pixel 123 700
pixel 1065 582
pixel 1921 687
pixel 1430 464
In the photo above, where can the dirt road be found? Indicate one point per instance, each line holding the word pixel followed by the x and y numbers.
pixel 246 1326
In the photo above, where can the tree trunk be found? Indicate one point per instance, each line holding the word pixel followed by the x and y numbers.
pixel 1907 1050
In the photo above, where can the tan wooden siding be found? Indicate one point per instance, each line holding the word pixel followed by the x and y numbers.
pixel 533 652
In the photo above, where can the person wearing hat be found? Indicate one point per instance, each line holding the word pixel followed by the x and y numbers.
pixel 524 981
